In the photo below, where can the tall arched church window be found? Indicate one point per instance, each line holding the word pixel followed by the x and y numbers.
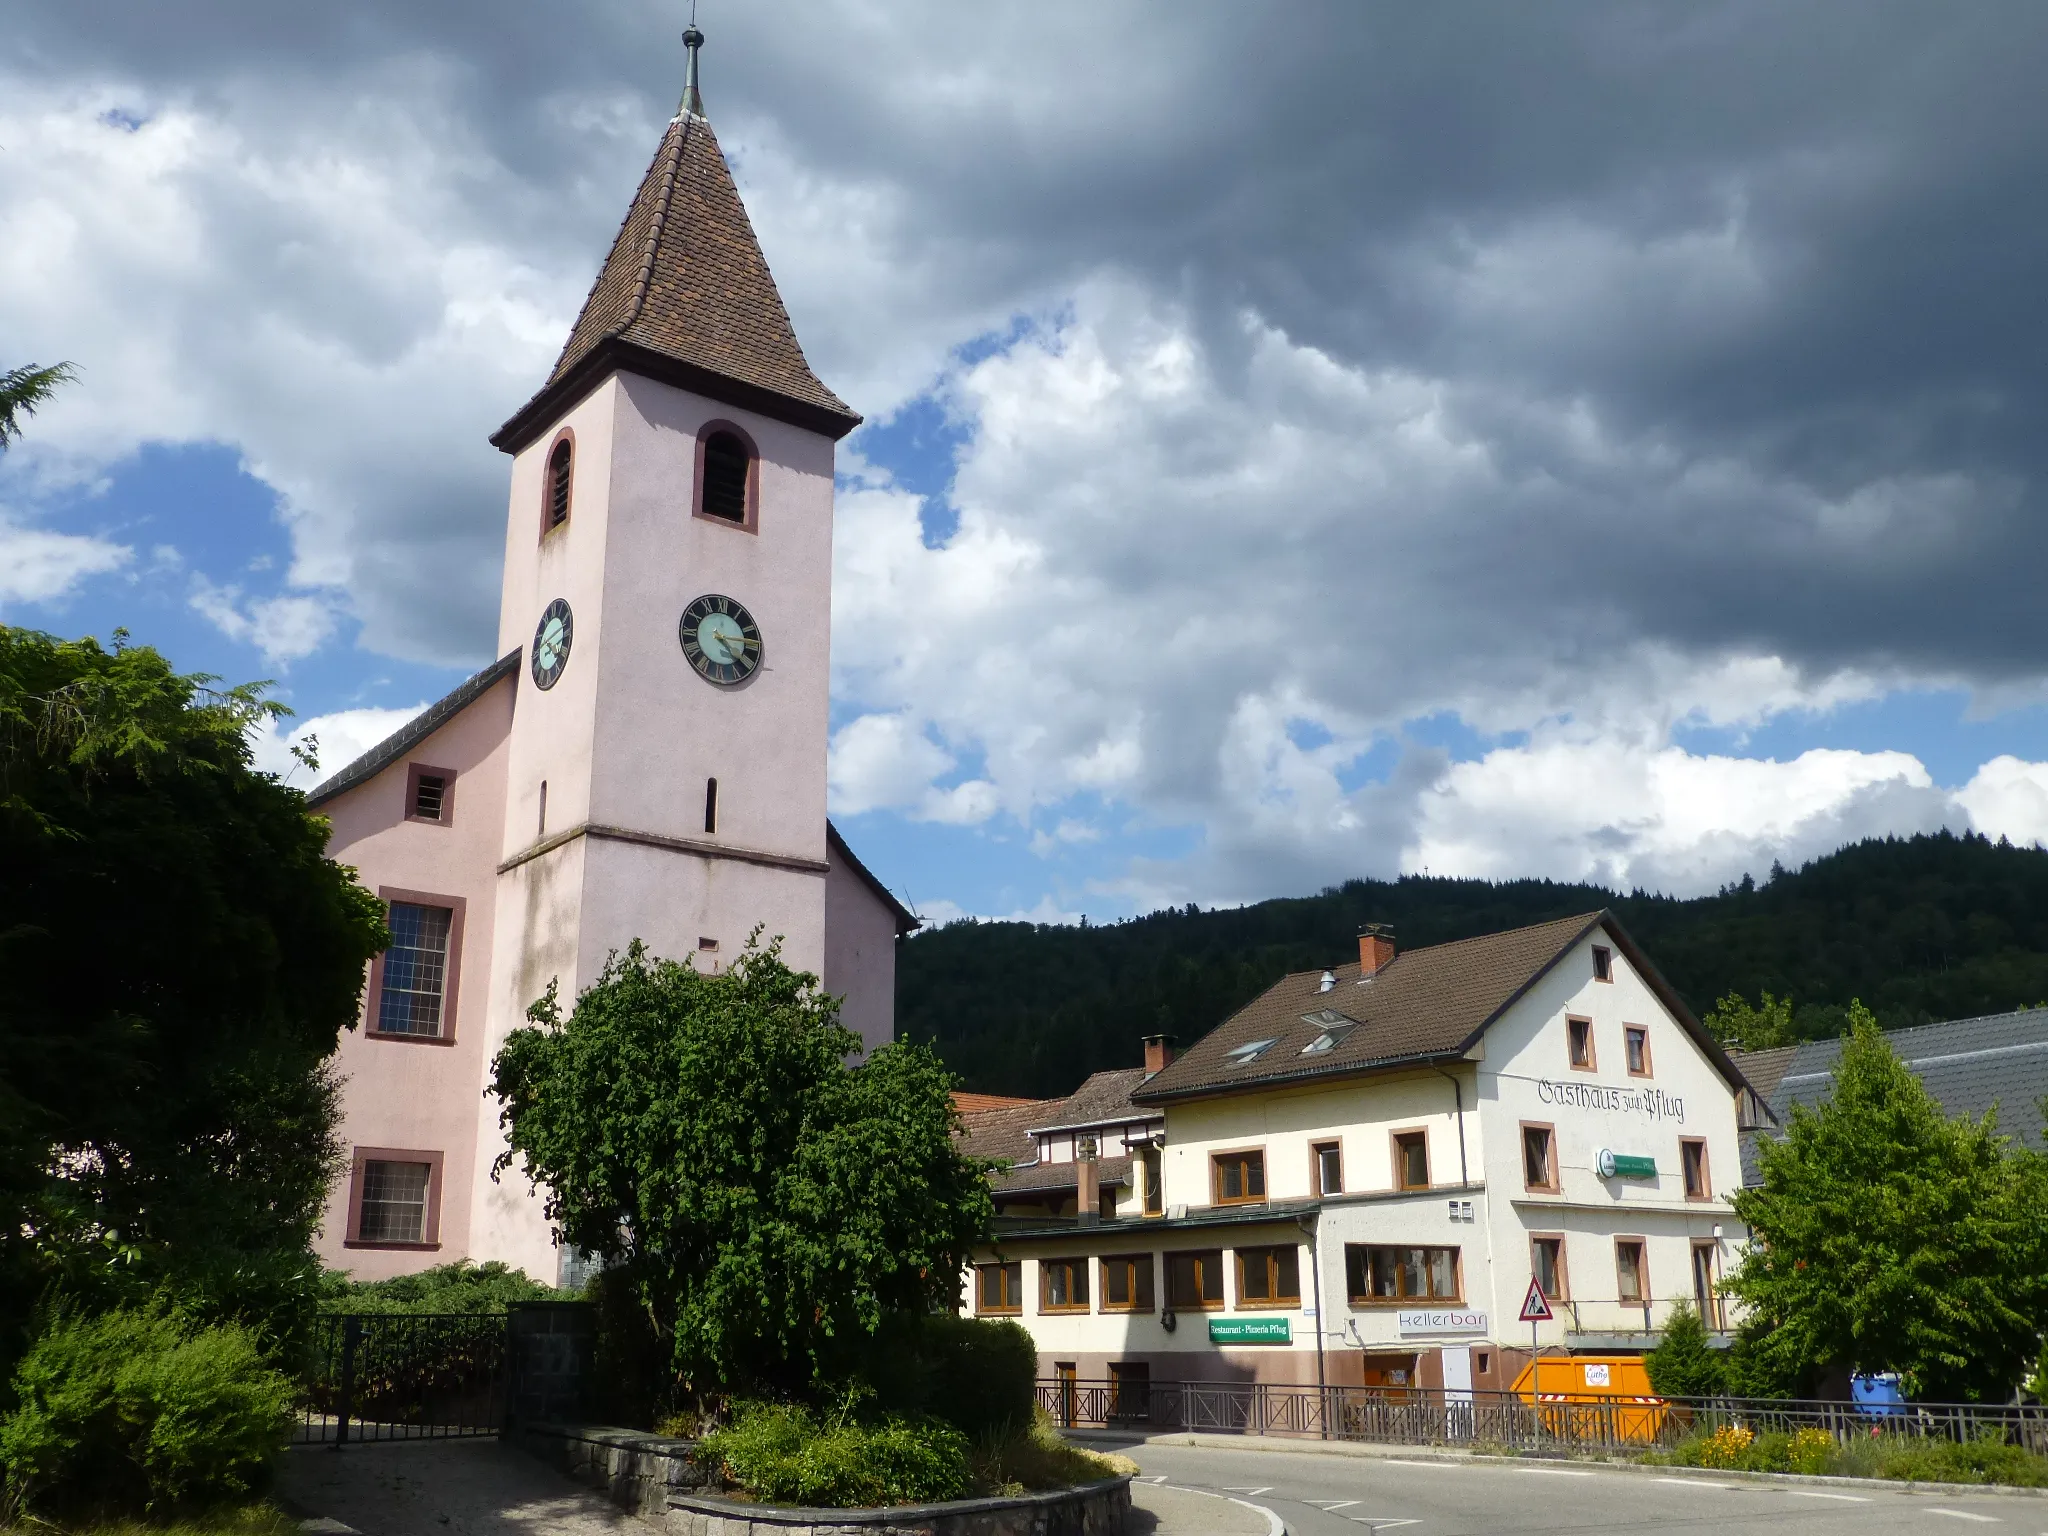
pixel 726 478
pixel 561 471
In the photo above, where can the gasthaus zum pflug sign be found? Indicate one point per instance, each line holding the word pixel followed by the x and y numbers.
pixel 1650 1103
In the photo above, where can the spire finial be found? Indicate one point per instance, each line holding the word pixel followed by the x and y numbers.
pixel 693 99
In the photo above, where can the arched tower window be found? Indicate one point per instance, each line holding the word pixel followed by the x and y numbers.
pixel 561 470
pixel 725 479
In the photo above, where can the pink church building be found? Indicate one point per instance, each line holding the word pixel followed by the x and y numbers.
pixel 647 757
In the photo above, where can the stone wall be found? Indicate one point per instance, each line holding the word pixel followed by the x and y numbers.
pixel 657 1479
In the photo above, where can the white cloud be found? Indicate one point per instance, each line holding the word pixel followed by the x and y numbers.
pixel 341 737
pixel 284 628
pixel 2008 797
pixel 39 566
pixel 1047 910
pixel 1622 815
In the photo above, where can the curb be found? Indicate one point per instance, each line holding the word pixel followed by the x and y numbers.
pixel 1373 1450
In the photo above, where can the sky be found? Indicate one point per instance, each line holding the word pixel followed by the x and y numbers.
pixel 1602 441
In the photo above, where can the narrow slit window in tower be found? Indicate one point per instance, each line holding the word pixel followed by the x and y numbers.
pixel 542 830
pixel 711 805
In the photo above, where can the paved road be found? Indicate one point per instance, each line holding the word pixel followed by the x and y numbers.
pixel 1332 1495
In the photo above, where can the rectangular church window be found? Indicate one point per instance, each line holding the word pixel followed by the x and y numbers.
pixel 415 970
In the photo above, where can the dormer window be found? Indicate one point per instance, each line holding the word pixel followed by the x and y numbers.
pixel 725 476
pixel 561 471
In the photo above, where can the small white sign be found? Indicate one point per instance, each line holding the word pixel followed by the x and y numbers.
pixel 1441 1320
pixel 1596 1376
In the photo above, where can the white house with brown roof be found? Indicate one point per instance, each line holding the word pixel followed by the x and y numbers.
pixel 646 760
pixel 1361 1172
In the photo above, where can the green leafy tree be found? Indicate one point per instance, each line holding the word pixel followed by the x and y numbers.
pixel 1733 1022
pixel 180 957
pixel 769 1205
pixel 23 389
pixel 1683 1364
pixel 1889 1237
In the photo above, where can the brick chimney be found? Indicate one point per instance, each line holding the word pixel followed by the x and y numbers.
pixel 1087 1186
pixel 1158 1052
pixel 1375 948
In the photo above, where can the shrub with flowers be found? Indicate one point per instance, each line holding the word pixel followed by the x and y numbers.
pixel 1811 1451
pixel 1727 1446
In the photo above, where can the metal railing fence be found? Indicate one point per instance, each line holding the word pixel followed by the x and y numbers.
pixel 1434 1416
pixel 377 1376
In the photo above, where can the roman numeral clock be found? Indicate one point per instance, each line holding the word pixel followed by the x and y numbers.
pixel 721 640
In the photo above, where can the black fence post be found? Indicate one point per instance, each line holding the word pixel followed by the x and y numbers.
pixel 351 1336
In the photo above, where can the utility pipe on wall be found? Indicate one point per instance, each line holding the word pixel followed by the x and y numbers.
pixel 1315 1280
pixel 1458 1096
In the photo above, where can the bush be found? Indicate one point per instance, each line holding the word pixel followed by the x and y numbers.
pixel 459 1287
pixel 983 1374
pixel 782 1454
pixel 979 1375
pixel 1988 1459
pixel 1903 1458
pixel 1683 1364
pixel 1033 1456
pixel 141 1410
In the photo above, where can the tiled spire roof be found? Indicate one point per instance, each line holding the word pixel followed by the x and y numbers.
pixel 686 296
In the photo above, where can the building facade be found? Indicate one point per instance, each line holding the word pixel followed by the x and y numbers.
pixel 646 760
pixel 1356 1179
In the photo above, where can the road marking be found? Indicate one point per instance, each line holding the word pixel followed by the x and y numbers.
pixel 1275 1526
pixel 1840 1498
pixel 1691 1482
pixel 1380 1522
pixel 1964 1514
pixel 1153 1479
pixel 1267 1489
pixel 1331 1504
pixel 1549 1472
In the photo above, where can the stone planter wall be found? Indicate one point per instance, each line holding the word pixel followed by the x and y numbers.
pixel 657 1480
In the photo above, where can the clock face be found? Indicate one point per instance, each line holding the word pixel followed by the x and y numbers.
pixel 721 640
pixel 551 643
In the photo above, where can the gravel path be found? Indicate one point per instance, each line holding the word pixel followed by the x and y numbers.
pixel 445 1488
pixel 480 1488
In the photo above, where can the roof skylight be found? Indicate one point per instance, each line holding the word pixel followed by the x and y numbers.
pixel 1250 1051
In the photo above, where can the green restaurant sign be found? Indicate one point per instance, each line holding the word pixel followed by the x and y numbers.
pixel 1249 1330
pixel 1620 1165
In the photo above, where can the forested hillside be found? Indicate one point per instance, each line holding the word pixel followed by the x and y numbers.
pixel 1922 928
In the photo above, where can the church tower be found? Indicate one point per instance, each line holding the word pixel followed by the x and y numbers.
pixel 668 569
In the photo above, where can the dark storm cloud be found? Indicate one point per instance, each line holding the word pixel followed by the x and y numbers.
pixel 1802 241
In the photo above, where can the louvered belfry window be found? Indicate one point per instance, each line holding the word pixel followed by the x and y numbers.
pixel 726 462
pixel 561 464
pixel 415 970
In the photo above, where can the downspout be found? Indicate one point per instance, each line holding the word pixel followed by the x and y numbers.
pixel 1458 1096
pixel 1315 1279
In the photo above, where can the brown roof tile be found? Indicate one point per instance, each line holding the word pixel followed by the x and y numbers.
pixel 1110 1170
pixel 1004 1133
pixel 1104 1098
pixel 686 283
pixel 1765 1069
pixel 973 1103
pixel 1425 1002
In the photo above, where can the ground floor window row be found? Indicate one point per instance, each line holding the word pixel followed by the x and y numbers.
pixel 1375 1274
pixel 1194 1280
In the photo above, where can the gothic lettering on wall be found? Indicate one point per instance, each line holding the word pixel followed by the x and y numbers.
pixel 1650 1103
